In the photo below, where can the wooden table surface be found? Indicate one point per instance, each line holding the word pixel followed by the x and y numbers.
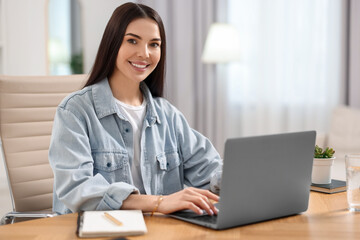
pixel 326 218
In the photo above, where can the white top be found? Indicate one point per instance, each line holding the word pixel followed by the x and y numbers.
pixel 135 115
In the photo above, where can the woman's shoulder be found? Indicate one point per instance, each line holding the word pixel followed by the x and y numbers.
pixel 81 96
pixel 162 104
pixel 167 111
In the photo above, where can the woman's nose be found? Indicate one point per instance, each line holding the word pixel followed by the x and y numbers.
pixel 143 51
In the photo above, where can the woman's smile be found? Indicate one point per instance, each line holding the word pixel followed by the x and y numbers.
pixel 139 66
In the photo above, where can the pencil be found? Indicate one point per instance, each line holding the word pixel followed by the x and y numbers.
pixel 113 219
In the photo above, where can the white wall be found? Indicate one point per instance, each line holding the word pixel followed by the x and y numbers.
pixel 94 16
pixel 25 37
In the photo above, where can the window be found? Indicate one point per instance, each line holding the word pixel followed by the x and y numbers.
pixel 292 69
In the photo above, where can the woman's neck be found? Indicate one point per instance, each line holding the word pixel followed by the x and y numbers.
pixel 126 91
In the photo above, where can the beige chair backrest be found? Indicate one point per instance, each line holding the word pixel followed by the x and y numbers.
pixel 27 110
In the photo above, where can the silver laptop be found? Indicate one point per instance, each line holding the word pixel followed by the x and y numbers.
pixel 264 177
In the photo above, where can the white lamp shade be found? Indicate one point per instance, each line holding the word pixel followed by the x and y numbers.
pixel 222 44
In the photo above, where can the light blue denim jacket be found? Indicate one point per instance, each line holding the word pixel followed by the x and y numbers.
pixel 91 151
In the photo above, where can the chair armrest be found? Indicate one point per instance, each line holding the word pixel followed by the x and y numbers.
pixel 11 216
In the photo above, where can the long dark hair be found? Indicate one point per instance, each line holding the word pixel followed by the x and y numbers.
pixel 112 39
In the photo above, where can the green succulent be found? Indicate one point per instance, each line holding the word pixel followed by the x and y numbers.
pixel 320 153
pixel 76 64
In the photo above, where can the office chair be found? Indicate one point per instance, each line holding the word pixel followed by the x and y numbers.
pixel 27 109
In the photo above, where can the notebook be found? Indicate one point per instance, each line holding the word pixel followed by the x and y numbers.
pixel 111 223
pixel 264 177
pixel 334 187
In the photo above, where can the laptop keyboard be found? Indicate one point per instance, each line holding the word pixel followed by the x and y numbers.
pixel 206 218
pixel 190 215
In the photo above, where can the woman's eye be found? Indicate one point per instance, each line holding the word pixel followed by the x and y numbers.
pixel 132 41
pixel 155 45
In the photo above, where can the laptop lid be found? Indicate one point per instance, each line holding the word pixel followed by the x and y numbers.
pixel 265 177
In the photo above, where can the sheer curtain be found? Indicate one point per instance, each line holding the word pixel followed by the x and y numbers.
pixel 292 71
pixel 354 54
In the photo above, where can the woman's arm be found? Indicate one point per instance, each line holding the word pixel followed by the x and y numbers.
pixel 202 163
pixel 75 186
pixel 190 198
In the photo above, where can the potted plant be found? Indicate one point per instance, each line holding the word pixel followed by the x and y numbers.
pixel 323 161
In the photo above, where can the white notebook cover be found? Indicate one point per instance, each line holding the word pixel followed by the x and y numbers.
pixel 96 224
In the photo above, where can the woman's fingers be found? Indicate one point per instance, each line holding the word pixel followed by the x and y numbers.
pixel 194 208
pixel 194 199
pixel 201 198
pixel 208 194
pixel 202 202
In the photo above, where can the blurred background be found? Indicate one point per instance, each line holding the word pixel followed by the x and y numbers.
pixel 234 67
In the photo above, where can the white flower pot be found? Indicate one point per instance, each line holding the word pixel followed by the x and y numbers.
pixel 321 173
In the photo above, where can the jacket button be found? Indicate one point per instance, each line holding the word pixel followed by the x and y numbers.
pixel 127 130
pixel 108 164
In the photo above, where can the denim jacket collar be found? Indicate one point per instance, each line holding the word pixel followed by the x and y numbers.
pixel 105 104
pixel 151 113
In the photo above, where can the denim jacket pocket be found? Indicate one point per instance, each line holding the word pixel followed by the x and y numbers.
pixel 112 165
pixel 168 161
pixel 169 176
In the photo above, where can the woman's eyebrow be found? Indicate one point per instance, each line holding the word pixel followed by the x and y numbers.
pixel 138 37
pixel 134 35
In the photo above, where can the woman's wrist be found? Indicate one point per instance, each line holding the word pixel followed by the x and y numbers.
pixel 145 203
pixel 157 204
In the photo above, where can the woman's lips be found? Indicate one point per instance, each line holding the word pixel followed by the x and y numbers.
pixel 139 66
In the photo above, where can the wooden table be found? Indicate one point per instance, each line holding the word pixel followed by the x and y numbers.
pixel 326 218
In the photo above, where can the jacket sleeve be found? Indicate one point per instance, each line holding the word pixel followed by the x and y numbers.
pixel 202 163
pixel 70 157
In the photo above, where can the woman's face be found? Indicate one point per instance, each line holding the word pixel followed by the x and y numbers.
pixel 140 50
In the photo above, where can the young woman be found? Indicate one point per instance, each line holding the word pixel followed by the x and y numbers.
pixel 117 144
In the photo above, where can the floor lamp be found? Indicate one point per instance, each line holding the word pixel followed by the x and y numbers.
pixel 221 47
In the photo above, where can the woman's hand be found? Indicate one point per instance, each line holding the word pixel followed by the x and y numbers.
pixel 191 198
